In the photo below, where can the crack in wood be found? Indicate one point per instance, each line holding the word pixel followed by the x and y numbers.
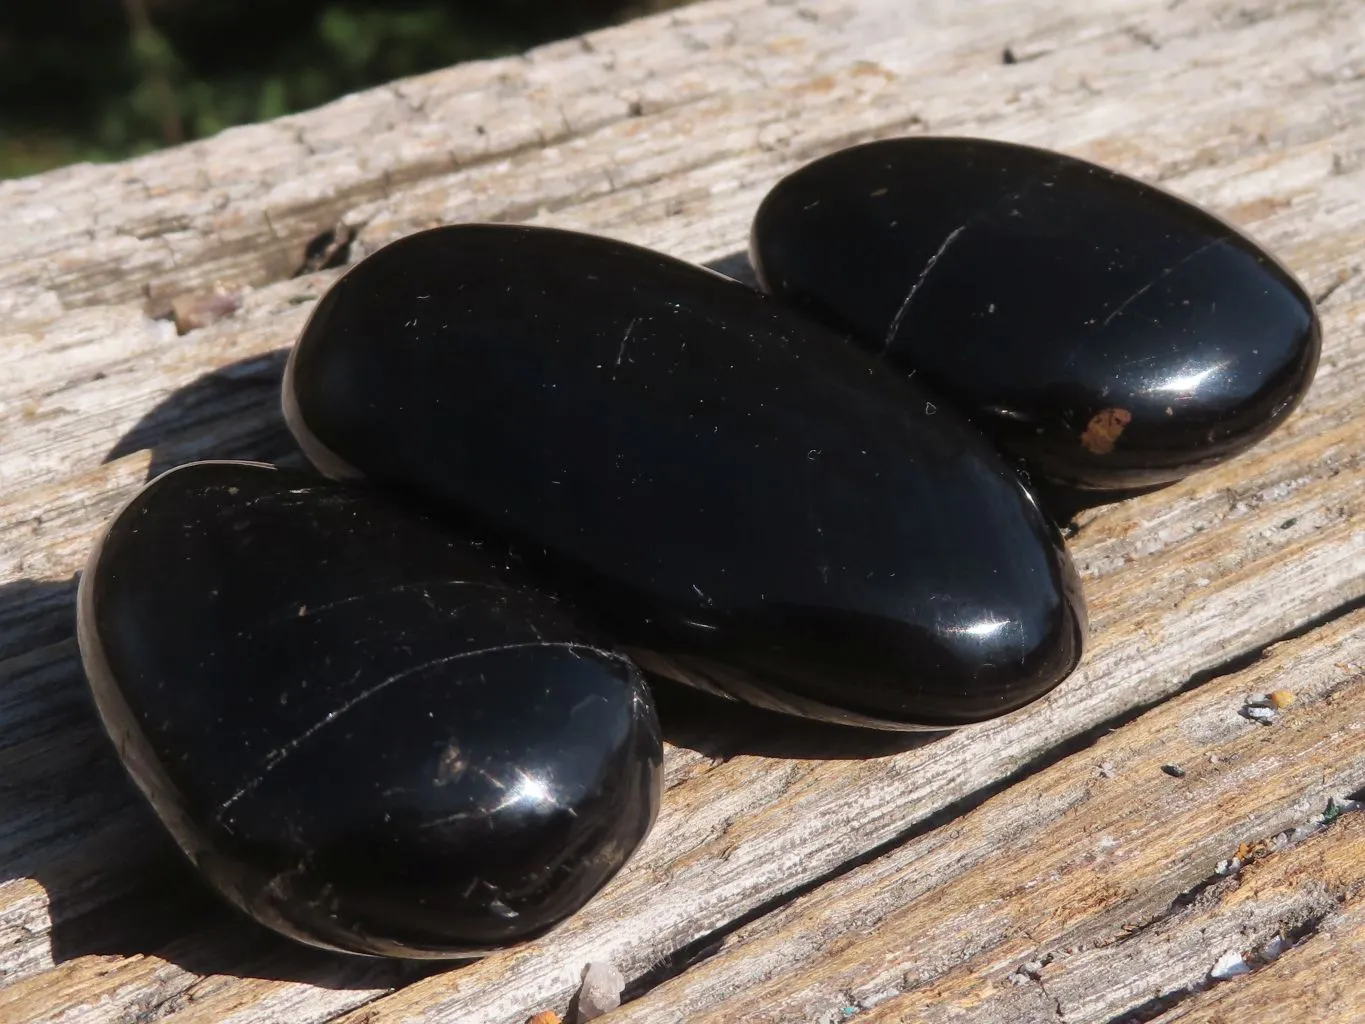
pixel 328 250
pixel 1158 1006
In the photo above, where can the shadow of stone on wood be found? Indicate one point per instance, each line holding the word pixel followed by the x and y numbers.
pixel 720 729
pixel 232 413
pixel 736 266
pixel 1062 504
pixel 72 819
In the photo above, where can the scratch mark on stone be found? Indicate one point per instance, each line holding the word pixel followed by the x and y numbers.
pixel 308 611
pixel 625 338
pixel 478 812
pixel 1159 278
pixel 280 754
pixel 919 283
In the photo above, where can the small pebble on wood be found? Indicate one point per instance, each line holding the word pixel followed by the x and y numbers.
pixel 1108 332
pixel 600 992
pixel 370 734
pixel 1230 965
pixel 746 501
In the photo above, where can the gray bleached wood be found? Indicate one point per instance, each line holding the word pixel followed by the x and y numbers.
pixel 664 132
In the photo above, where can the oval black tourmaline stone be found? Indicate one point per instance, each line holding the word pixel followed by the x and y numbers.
pixel 749 502
pixel 1111 334
pixel 367 733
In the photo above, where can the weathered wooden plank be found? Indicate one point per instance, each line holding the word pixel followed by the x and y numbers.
pixel 1282 898
pixel 1072 880
pixel 1317 980
pixel 1204 95
pixel 242 207
pixel 1323 980
pixel 781 81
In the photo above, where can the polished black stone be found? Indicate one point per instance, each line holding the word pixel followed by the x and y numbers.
pixel 750 503
pixel 369 734
pixel 1109 333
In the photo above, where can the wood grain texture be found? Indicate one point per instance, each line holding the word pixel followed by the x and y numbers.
pixel 1316 980
pixel 1322 981
pixel 667 132
pixel 1086 879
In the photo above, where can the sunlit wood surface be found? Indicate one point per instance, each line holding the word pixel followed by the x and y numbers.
pixel 1041 868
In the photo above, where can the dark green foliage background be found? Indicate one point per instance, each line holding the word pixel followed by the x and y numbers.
pixel 106 79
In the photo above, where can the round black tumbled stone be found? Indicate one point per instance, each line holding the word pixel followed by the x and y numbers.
pixel 1109 333
pixel 370 734
pixel 749 503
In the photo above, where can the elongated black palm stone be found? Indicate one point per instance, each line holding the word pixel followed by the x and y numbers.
pixel 369 734
pixel 748 502
pixel 1111 334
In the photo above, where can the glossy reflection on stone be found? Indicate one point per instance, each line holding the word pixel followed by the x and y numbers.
pixel 368 733
pixel 749 503
pixel 1113 335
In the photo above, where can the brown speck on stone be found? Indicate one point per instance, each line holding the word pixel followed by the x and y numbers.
pixel 1280 698
pixel 1104 429
pixel 451 766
